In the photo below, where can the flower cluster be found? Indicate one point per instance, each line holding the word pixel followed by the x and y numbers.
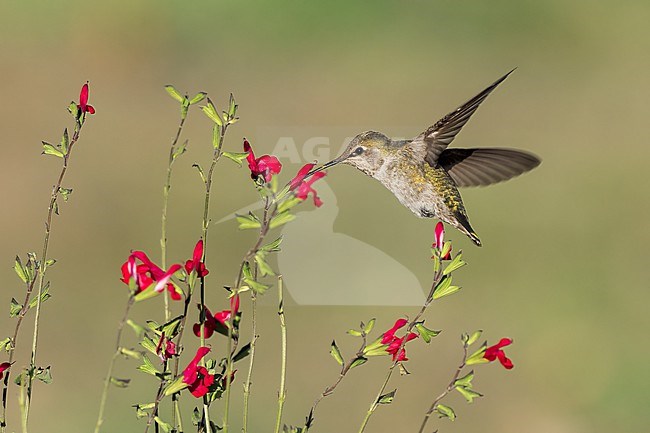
pixel 302 188
pixel 396 345
pixel 146 273
pixel 263 167
pixel 195 264
pixel 197 377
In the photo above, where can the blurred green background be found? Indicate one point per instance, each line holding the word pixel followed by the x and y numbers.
pixel 564 267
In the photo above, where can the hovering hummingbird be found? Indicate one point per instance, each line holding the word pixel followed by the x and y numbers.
pixel 425 175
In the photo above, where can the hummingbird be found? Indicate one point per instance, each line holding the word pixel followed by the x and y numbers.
pixel 424 174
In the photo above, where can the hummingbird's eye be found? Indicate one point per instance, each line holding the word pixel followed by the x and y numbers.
pixel 358 151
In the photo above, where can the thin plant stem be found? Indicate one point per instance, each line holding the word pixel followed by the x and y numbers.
pixel 42 267
pixel 450 387
pixel 166 188
pixel 375 403
pixel 251 361
pixel 109 374
pixel 282 394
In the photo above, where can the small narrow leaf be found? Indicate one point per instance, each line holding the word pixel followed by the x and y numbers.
pixel 174 93
pixel 468 393
pixel 465 381
pixel 336 353
pixel 166 427
pixel 129 353
pixel 65 141
pixel 243 353
pixel 179 150
pixel 264 267
pixel 6 344
pixel 477 357
pixel 237 157
pixel 456 263
pixel 175 386
pixel 148 367
pixel 450 290
pixel 387 398
pixel 281 219
pixel 211 112
pixel 48 149
pixel 368 328
pixel 14 308
pixel 246 222
pixel 139 330
pixel 272 247
pixel 200 170
pixel 354 333
pixel 120 383
pixel 426 333
pixel 198 98
pixel 473 337
pixel 445 412
pixel 21 271
pixel 359 361
pixel 44 375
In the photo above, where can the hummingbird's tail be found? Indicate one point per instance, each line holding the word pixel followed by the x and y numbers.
pixel 466 228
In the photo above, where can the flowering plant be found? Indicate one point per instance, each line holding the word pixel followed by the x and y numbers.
pixel 191 364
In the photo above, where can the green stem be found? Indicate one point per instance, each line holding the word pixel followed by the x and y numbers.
pixel 282 394
pixel 166 188
pixel 109 374
pixel 251 361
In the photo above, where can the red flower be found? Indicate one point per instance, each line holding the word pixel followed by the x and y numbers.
pixel 440 243
pixel 83 101
pixel 302 188
pixel 495 352
pixel 265 166
pixel 3 367
pixel 197 378
pixel 394 343
pixel 168 351
pixel 195 264
pixel 147 273
pixel 219 322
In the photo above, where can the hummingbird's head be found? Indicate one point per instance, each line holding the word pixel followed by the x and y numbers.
pixel 366 152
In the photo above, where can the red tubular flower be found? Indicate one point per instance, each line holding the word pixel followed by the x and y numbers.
pixel 83 101
pixel 440 243
pixel 393 344
pixel 495 352
pixel 197 378
pixel 147 273
pixel 302 188
pixel 168 350
pixel 265 166
pixel 219 322
pixel 195 264
pixel 4 367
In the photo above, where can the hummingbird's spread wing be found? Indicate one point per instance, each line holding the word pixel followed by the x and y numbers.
pixel 479 167
pixel 435 140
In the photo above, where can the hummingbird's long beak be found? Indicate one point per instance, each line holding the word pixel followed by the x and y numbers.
pixel 327 165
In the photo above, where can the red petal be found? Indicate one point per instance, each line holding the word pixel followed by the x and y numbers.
pixel 83 96
pixel 440 233
pixel 295 182
pixel 234 304
pixel 90 109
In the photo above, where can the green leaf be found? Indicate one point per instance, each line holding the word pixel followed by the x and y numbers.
pixel 198 98
pixel 139 330
pixel 387 398
pixel 272 247
pixel 65 192
pixel 445 412
pixel 166 427
pixel 354 333
pixel 74 110
pixel 179 150
pixel 141 409
pixel 444 288
pixel 247 222
pixel 148 367
pixel 232 106
pixel 6 344
pixel 129 353
pixel 216 137
pixel 211 112
pixel 48 149
pixel 147 293
pixel 281 219
pixel 243 353
pixel 45 295
pixel 237 157
pixel 256 286
pixel 150 345
pixel 264 267
pixel 358 361
pixel 336 353
pixel 468 393
pixel 368 328
pixel 44 375
pixel 471 339
pixel 200 170
pixel 120 383
pixel 288 204
pixel 456 263
pixel 65 141
pixel 21 270
pixel 426 333
pixel 477 357
pixel 14 308
pixel 465 381
pixel 170 329
pixel 174 93
pixel 175 386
